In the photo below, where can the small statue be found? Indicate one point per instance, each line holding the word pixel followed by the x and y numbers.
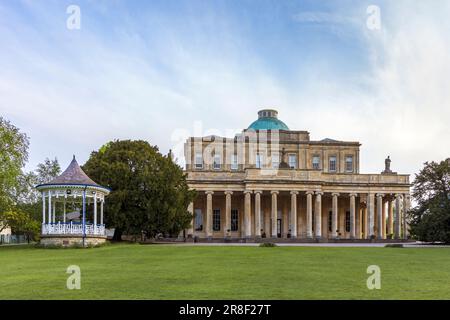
pixel 387 166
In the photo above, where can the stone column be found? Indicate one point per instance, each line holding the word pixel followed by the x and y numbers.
pixel 334 215
pixel 397 223
pixel 406 204
pixel 390 224
pixel 384 217
pixel 318 215
pixel 43 207
pixel 247 213
pixel 209 195
pixel 309 214
pixel 352 216
pixel 380 216
pixel 366 222
pixel 258 214
pixel 371 215
pixel 274 213
pixel 227 233
pixel 294 214
pixel 190 231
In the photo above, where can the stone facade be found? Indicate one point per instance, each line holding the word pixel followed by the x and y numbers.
pixel 71 240
pixel 278 183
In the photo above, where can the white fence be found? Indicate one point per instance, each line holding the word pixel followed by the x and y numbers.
pixel 73 228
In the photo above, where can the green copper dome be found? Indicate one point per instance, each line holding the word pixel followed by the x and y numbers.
pixel 268 120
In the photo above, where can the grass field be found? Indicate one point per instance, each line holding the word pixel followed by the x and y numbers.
pixel 129 271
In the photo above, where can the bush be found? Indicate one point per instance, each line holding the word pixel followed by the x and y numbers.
pixel 394 245
pixel 267 244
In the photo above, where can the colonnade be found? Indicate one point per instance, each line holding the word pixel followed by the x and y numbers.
pixel 368 221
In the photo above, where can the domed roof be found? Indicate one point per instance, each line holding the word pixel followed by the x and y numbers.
pixel 268 120
pixel 72 176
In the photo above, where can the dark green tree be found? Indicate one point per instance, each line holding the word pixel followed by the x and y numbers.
pixel 149 191
pixel 430 219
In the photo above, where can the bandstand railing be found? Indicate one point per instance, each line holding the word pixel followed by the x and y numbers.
pixel 72 228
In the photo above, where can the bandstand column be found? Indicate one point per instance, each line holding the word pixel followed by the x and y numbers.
pixel 274 213
pixel 371 215
pixel 227 212
pixel 258 214
pixel 309 214
pixel 49 206
pixel 352 216
pixel 95 210
pixel 64 209
pixel 247 213
pixel 101 211
pixel 294 214
pixel 43 207
pixel 209 195
pixel 54 212
pixel 397 224
pixel 318 215
pixel 390 225
pixel 334 215
pixel 380 215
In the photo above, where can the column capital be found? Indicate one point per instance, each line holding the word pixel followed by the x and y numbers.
pixel 319 193
pixel 228 192
pixel 247 191
pixel 335 194
pixel 294 192
pixel 309 192
pixel 209 192
pixel 257 192
pixel 274 192
pixel 380 195
pixel 398 195
pixel 353 194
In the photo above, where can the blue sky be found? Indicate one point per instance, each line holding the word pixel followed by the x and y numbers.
pixel 156 70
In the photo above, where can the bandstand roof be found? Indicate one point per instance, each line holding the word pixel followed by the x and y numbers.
pixel 72 176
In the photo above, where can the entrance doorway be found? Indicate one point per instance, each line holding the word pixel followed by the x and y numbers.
pixel 279 228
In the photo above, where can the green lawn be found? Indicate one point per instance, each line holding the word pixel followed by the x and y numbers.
pixel 129 271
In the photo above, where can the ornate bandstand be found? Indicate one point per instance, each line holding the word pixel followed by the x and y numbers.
pixel 72 190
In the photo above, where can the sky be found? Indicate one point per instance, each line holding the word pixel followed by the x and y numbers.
pixel 164 70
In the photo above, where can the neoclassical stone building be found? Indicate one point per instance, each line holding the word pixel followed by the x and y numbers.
pixel 272 182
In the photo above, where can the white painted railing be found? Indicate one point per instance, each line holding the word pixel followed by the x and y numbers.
pixel 72 228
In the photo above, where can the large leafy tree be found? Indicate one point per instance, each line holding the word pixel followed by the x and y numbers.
pixel 13 155
pixel 430 219
pixel 149 191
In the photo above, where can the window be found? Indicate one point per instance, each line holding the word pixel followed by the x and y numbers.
pixel 198 220
pixel 330 220
pixel 349 163
pixel 216 220
pixel 234 220
pixel 198 160
pixel 259 160
pixel 234 162
pixel 332 166
pixel 316 162
pixel 217 161
pixel 292 161
pixel 275 160
pixel 347 221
